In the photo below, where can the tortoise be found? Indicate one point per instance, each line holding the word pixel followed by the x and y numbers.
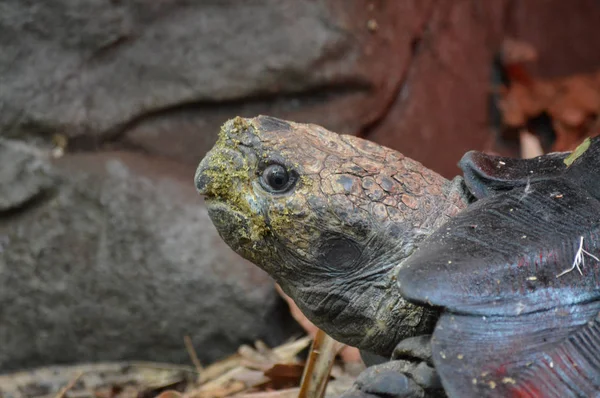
pixel 488 283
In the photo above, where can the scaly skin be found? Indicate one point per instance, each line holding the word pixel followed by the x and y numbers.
pixel 335 239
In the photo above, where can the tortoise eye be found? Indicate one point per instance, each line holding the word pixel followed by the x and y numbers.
pixel 275 178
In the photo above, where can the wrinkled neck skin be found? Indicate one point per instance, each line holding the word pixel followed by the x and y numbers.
pixel 361 305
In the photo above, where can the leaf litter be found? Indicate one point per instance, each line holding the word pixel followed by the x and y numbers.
pixel 253 372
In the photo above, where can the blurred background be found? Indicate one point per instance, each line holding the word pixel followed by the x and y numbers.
pixel 107 106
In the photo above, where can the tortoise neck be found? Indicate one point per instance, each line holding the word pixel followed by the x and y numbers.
pixel 456 198
pixel 428 209
pixel 404 318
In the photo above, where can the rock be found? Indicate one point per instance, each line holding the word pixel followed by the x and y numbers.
pixel 23 177
pixel 118 261
pixel 164 76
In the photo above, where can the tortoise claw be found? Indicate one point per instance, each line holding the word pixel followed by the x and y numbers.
pixel 414 348
pixel 427 377
pixel 397 379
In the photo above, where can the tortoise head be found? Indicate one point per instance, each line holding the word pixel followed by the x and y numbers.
pixel 329 217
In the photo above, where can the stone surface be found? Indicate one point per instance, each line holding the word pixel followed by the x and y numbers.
pixel 23 176
pixel 120 261
pixel 164 76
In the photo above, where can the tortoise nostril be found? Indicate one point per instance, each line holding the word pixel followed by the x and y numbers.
pixel 215 173
pixel 202 179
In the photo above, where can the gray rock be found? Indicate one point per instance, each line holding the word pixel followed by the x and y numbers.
pixel 23 177
pixel 163 76
pixel 119 260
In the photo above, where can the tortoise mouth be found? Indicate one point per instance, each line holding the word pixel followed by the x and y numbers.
pixel 243 233
pixel 233 226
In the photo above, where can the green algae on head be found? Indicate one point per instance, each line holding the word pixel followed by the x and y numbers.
pixel 231 172
pixel 229 184
pixel 329 217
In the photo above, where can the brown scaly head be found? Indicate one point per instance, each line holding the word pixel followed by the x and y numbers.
pixel 330 217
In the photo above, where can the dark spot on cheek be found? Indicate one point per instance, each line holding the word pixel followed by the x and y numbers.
pixel 339 253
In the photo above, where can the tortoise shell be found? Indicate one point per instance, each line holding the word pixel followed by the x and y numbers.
pixel 518 276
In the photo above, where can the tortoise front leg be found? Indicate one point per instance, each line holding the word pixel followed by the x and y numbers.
pixel 410 374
